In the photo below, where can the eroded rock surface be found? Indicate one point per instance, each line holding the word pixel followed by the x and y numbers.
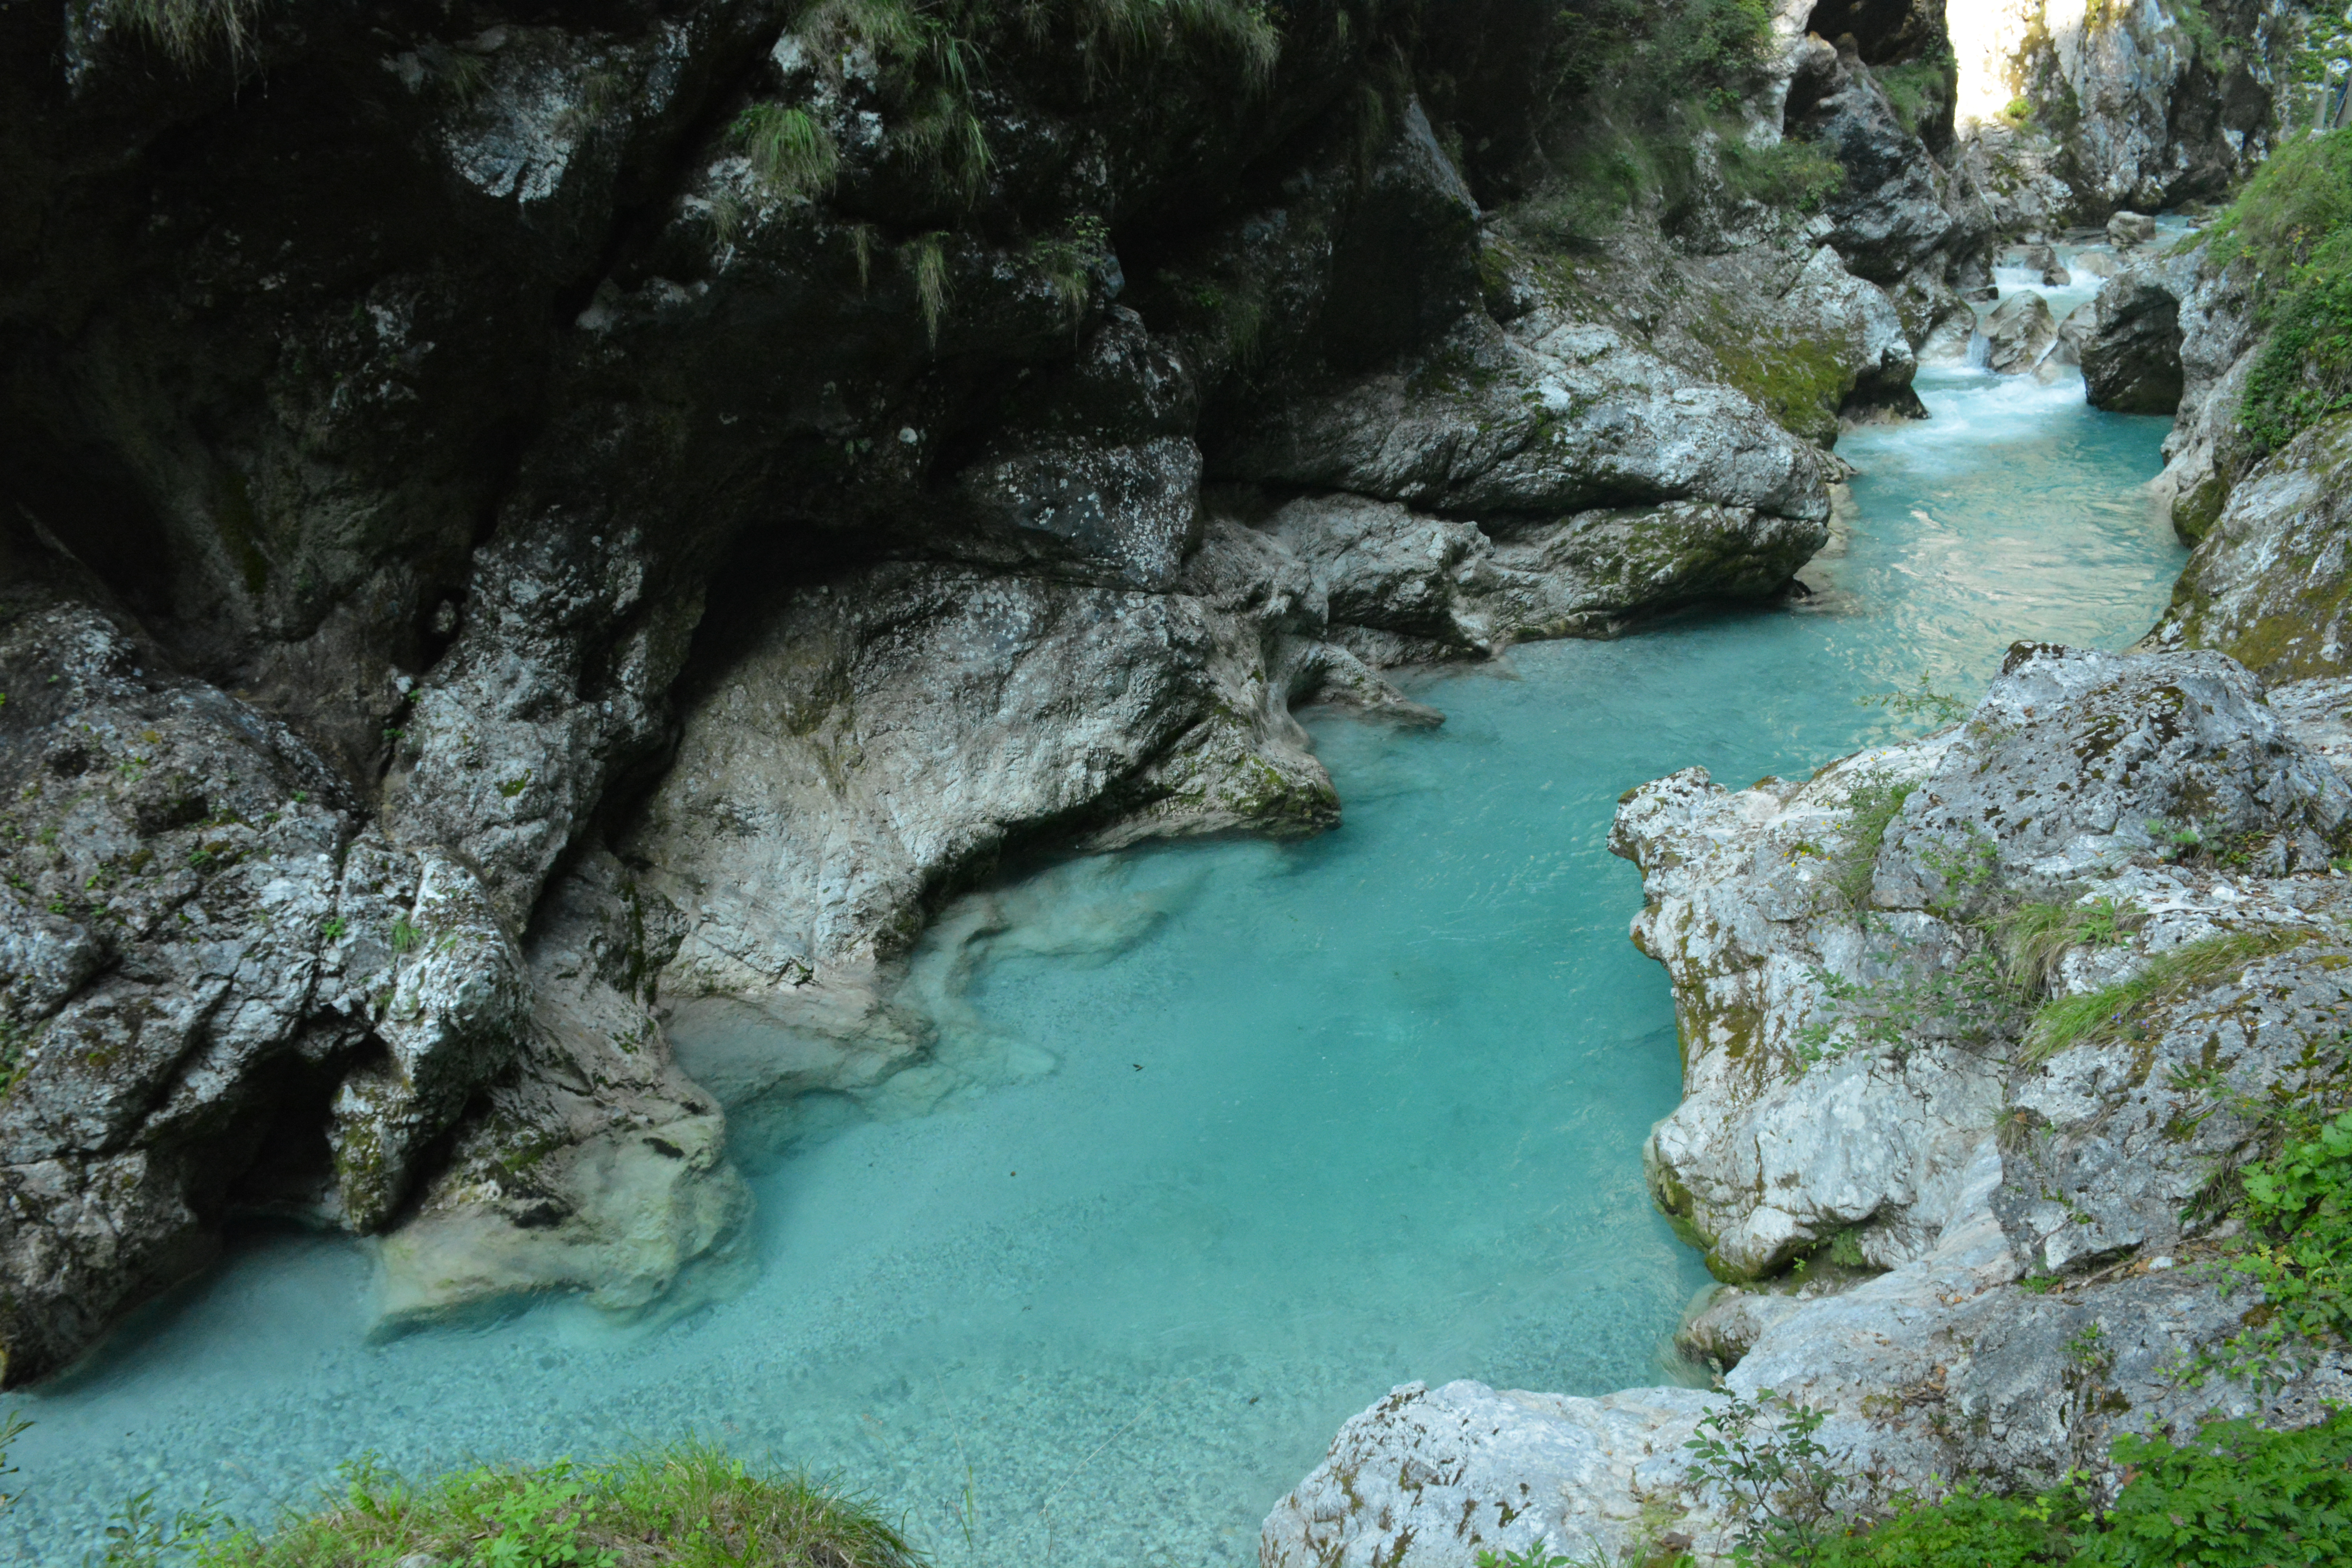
pixel 1878 1142
pixel 481 452
pixel 2268 580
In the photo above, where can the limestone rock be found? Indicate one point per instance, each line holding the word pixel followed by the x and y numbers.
pixel 447 1008
pixel 2073 332
pixel 1381 566
pixel 211 955
pixel 2043 259
pixel 2266 585
pixel 2126 1139
pixel 600 1169
pixel 1555 416
pixel 2131 356
pixel 1961 1163
pixel 1748 907
pixel 1453 1471
pixel 2019 332
pixel 2137 741
pixel 2122 109
pixel 888 732
pixel 1898 210
pixel 2125 229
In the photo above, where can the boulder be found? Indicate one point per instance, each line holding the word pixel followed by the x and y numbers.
pixel 2043 259
pixel 2072 333
pixel 2018 333
pixel 1463 1470
pixel 2125 229
pixel 2077 759
pixel 2131 353
pixel 1554 415
pixel 1456 585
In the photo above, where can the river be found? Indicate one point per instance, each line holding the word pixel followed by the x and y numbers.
pixel 1273 1127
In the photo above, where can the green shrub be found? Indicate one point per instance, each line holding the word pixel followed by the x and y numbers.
pixel 1967 1527
pixel 1778 1484
pixel 2237 1497
pixel 690 1506
pixel 1871 807
pixel 2293 223
pixel 1793 174
pixel 1635 86
pixel 1920 91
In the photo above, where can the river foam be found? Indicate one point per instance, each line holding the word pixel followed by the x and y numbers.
pixel 1298 1121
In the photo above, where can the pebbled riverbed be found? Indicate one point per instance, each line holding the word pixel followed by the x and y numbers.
pixel 1274 1126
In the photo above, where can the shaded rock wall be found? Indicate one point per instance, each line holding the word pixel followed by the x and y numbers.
pixel 526 523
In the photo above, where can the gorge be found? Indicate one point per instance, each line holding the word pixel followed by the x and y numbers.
pixel 602 837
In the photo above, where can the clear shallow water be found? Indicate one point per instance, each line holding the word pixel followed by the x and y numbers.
pixel 1325 1116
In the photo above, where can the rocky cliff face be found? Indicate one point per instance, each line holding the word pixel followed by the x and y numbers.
pixel 2071 111
pixel 534 532
pixel 1933 1200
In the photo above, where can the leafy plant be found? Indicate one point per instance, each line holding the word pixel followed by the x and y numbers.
pixel 1538 1556
pixel 139 1536
pixel 405 934
pixel 1778 1482
pixel 2089 1350
pixel 1872 806
pixel 2298 1212
pixel 2238 1496
pixel 1922 701
pixel 1969 1529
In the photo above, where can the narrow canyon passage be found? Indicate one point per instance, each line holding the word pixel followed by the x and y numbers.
pixel 1269 1129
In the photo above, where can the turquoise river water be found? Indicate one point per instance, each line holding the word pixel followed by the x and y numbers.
pixel 1323 1117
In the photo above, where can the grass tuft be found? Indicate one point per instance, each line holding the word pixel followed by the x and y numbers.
pixel 929 263
pixel 790 152
pixel 187 29
pixel 2112 1013
pixel 690 1505
pixel 2034 937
